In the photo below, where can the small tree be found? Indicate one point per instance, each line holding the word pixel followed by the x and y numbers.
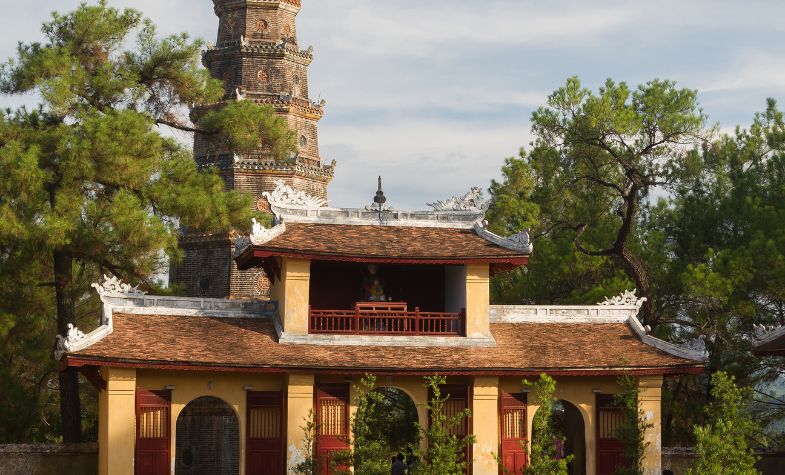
pixel 444 452
pixel 723 442
pixel 543 459
pixel 369 453
pixel 633 427
pixel 310 464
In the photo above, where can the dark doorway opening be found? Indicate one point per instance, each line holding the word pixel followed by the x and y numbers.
pixel 398 419
pixel 568 421
pixel 208 439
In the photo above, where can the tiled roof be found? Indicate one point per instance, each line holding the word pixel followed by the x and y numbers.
pixel 160 340
pixel 394 242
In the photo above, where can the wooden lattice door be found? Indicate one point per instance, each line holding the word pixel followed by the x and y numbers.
pixel 610 453
pixel 457 402
pixel 514 433
pixel 265 434
pixel 153 434
pixel 332 418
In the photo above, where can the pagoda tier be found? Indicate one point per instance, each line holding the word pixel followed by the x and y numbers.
pixel 258 57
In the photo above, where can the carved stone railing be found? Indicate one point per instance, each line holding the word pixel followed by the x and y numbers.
pixel 391 318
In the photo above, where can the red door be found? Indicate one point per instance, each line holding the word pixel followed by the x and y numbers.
pixel 610 452
pixel 457 402
pixel 265 443
pixel 153 437
pixel 332 416
pixel 513 431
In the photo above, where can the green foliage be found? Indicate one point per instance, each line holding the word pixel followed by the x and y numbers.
pixel 543 457
pixel 632 429
pixel 309 465
pixel 369 453
pixel 723 443
pixel 444 452
pixel 91 186
pixel 595 161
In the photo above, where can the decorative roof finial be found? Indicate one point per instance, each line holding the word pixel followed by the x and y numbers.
pixel 380 199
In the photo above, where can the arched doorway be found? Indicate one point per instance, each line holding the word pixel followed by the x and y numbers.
pixel 398 416
pixel 208 439
pixel 567 420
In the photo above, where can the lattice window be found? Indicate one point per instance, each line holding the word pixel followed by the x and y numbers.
pixel 153 422
pixel 610 420
pixel 332 417
pixel 514 423
pixel 452 408
pixel 265 423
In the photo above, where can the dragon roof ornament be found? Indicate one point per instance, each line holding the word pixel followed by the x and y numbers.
pixel 761 332
pixel 70 342
pixel 286 197
pixel 628 298
pixel 472 201
pixel 520 242
pixel 259 235
pixel 114 287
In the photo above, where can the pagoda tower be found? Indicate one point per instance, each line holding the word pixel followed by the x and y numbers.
pixel 259 59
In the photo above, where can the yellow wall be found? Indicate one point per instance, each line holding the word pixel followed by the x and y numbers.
pixel 477 300
pixel 299 403
pixel 192 385
pixel 650 402
pixel 485 424
pixel 117 422
pixel 292 295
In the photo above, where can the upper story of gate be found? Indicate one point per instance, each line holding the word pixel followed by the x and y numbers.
pixel 375 272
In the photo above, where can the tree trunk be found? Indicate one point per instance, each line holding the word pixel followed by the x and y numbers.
pixel 70 410
pixel 637 271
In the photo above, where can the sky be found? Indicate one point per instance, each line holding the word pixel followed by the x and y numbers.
pixel 434 95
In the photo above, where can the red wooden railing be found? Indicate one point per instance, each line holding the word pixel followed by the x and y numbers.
pixel 388 318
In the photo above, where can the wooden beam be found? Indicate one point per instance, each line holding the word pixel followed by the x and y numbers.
pixel 92 374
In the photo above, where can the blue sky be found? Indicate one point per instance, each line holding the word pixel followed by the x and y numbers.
pixel 433 95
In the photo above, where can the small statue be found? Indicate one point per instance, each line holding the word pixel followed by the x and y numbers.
pixel 373 284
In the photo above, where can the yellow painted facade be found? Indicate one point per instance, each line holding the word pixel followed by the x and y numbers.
pixel 650 402
pixel 477 300
pixel 117 409
pixel 485 425
pixel 292 291
pixel 299 404
pixel 117 422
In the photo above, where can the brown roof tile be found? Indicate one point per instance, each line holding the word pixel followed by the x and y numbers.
pixel 394 242
pixel 251 342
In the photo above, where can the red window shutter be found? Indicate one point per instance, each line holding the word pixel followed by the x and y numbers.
pixel 153 432
pixel 332 419
pixel 265 433
pixel 514 431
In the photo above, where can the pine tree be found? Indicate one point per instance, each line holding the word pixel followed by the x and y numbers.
pixel 91 182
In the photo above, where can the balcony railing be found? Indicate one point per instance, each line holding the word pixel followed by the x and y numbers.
pixel 388 318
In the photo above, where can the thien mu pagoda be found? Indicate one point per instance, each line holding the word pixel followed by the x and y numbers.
pixel 222 381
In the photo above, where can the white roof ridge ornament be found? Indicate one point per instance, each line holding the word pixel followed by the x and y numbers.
pixel 627 298
pixel 520 242
pixel 114 287
pixel 692 350
pixel 471 201
pixel 285 196
pixel 763 334
pixel 259 235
